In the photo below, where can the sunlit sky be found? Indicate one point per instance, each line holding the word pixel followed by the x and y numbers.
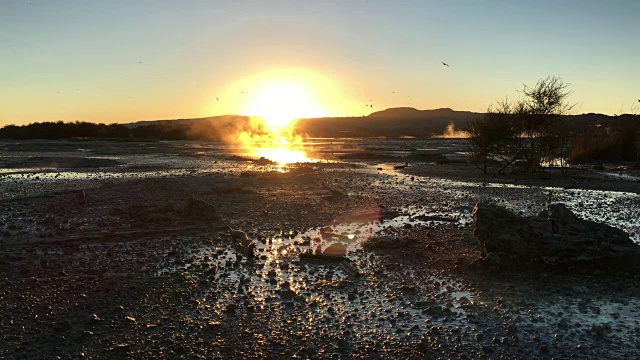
pixel 122 61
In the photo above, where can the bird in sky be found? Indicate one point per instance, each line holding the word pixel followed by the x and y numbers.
pixel 217 99
pixel 444 63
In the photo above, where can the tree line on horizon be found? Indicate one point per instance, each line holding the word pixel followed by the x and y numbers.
pixel 83 130
pixel 522 133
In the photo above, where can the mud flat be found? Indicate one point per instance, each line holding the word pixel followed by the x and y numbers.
pixel 111 259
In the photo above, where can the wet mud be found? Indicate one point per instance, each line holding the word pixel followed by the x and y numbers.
pixel 108 263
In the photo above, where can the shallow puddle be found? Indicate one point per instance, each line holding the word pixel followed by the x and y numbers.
pixel 370 305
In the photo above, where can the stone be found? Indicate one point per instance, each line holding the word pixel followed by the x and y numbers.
pixel 265 161
pixel 555 239
pixel 82 197
pixel 349 268
pixel 601 330
pixel 335 249
pixel 242 242
pixel 386 242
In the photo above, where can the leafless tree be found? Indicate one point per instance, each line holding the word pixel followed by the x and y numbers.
pixel 526 131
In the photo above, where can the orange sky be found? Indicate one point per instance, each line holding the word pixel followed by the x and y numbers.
pixel 123 61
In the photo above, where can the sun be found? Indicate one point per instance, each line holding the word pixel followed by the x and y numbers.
pixel 273 100
pixel 280 102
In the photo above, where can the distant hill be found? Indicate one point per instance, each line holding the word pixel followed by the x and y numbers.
pixel 393 122
pixel 409 112
pixel 220 118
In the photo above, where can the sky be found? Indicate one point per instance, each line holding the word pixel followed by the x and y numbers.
pixel 129 60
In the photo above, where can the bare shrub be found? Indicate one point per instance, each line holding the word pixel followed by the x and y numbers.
pixel 524 132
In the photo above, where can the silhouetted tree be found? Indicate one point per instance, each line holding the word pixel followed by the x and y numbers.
pixel 614 140
pixel 526 131
pixel 490 137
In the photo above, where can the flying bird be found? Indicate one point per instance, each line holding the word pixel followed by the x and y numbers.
pixel 217 99
pixel 445 64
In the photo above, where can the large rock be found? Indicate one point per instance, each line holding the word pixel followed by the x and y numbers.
pixel 556 239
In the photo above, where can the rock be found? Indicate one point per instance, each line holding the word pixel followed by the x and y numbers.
pixel 242 242
pixel 615 315
pixel 251 251
pixel 556 239
pixel 265 161
pixel 82 197
pixel 213 324
pixel 231 308
pixel 601 330
pixel 386 242
pixel 349 268
pixel 199 209
pixel 121 347
pixel 93 318
pixel 335 249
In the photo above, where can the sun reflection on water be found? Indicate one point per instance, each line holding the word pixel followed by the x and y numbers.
pixel 283 154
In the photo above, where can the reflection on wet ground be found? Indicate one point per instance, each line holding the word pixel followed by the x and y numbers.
pixel 618 209
pixel 278 279
pixel 376 308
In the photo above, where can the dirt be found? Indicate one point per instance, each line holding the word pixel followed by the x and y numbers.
pixel 113 263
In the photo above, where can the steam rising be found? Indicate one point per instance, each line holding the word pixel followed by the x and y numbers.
pixel 251 137
pixel 450 132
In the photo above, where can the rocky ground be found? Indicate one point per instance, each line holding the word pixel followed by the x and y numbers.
pixel 136 252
